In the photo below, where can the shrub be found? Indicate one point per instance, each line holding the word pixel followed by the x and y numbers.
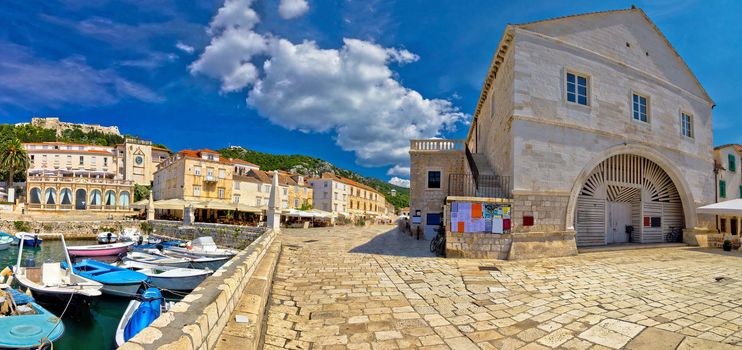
pixel 22 226
pixel 146 227
pixel 47 227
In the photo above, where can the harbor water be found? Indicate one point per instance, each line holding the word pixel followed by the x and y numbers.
pixel 99 330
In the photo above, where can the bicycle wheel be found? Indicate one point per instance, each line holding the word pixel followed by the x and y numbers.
pixel 433 243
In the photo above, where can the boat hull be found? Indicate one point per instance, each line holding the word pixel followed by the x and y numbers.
pixel 177 283
pixel 212 265
pixel 100 252
pixel 56 303
pixel 25 331
pixel 122 290
pixel 4 246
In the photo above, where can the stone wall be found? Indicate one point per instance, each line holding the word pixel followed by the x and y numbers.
pixel 537 245
pixel 478 245
pixel 431 200
pixel 225 235
pixel 198 320
pixel 71 229
pixel 548 211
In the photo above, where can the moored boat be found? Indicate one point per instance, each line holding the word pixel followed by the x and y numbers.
pixel 107 238
pixel 99 250
pixel 156 259
pixel 169 278
pixel 5 242
pixel 198 261
pixel 205 247
pixel 130 235
pixel 29 239
pixel 116 280
pixel 55 287
pixel 24 324
pixel 139 315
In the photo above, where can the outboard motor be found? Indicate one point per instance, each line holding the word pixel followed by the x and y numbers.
pixel 140 241
pixel 108 237
pixel 159 246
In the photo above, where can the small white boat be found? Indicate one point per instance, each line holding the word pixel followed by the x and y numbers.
pixel 205 247
pixel 54 286
pixel 5 242
pixel 130 235
pixel 107 238
pixel 199 261
pixel 29 239
pixel 169 278
pixel 154 258
pixel 99 250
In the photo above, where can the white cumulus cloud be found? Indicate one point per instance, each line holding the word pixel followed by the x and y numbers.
pixel 289 9
pixel 350 92
pixel 400 182
pixel 399 170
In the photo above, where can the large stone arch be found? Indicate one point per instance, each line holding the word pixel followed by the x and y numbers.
pixel 686 195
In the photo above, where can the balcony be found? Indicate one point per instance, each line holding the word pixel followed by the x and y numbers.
pixel 210 178
pixel 77 180
pixel 437 145
pixel 486 186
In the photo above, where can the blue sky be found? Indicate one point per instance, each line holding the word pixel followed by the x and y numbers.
pixel 284 77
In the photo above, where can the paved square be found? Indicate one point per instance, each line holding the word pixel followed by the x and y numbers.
pixel 375 288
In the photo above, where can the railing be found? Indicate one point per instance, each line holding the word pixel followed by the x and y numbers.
pixel 472 164
pixel 83 180
pixel 437 145
pixel 489 186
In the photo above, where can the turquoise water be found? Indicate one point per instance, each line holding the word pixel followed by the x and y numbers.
pixel 96 333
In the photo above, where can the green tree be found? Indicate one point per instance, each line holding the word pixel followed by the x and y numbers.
pixel 141 192
pixel 14 158
pixel 306 205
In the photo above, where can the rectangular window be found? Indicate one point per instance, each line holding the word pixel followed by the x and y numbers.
pixel 196 191
pixel 577 88
pixel 82 160
pixel 433 219
pixel 222 173
pixel 640 108
pixel 209 172
pixel 722 189
pixel 197 171
pixel 434 179
pixel 296 203
pixel 732 163
pixel 258 202
pixel 221 193
pixel 740 191
pixel 105 161
pixel 686 125
pixel 236 199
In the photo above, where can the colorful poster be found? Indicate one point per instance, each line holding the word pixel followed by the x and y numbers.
pixel 464 210
pixel 506 224
pixel 476 211
pixel 489 211
pixel 506 212
pixel 497 225
pixel 455 207
pixel 460 227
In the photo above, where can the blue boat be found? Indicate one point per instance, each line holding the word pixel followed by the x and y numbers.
pixel 29 239
pixel 139 315
pixel 29 326
pixel 116 280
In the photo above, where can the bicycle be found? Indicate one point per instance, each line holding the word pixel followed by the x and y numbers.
pixel 675 235
pixel 438 243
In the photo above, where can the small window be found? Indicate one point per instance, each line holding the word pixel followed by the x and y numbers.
pixel 221 193
pixel 222 173
pixel 740 191
pixel 82 160
pixel 686 125
pixel 722 189
pixel 640 108
pixel 732 163
pixel 196 191
pixel 434 179
pixel 577 88
pixel 433 219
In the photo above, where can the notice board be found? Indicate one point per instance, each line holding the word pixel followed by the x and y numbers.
pixel 480 217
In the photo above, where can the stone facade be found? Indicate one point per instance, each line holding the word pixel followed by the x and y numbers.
pixel 530 126
pixel 71 229
pixel 55 124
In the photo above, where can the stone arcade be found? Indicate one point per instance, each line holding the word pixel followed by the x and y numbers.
pixel 586 124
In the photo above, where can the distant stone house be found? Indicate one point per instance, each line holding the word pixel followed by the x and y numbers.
pixel 727 159
pixel 585 125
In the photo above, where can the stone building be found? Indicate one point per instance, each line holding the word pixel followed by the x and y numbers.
pixel 59 126
pixel 194 175
pixel 347 198
pixel 728 183
pixel 254 188
pixel 585 125
pixel 137 160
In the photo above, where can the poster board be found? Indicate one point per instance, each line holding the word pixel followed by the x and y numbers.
pixel 479 217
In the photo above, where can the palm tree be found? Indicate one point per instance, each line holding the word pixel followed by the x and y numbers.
pixel 14 158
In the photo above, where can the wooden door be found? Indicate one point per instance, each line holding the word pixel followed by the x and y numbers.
pixel 619 216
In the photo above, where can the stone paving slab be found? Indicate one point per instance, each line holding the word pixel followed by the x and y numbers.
pixel 376 288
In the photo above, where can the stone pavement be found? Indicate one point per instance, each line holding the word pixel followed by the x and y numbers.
pixel 375 288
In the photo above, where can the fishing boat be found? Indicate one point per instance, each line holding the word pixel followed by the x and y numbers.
pixel 5 242
pixel 140 314
pixel 99 250
pixel 156 259
pixel 55 287
pixel 24 324
pixel 107 238
pixel 169 278
pixel 204 247
pixel 130 235
pixel 29 239
pixel 116 280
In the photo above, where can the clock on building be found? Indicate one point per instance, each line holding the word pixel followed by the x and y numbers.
pixel 138 160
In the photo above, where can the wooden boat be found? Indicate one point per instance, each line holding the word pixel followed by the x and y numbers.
pixel 99 250
pixel 107 238
pixel 140 314
pixel 5 242
pixel 55 287
pixel 29 239
pixel 26 325
pixel 156 259
pixel 204 247
pixel 116 280
pixel 169 278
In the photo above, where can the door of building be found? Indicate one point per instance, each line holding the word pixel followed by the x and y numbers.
pixel 734 226
pixel 619 216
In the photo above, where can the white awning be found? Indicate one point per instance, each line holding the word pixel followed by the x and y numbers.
pixel 732 207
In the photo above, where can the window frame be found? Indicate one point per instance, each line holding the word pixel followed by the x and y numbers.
pixel 691 127
pixel 588 87
pixel 648 107
pixel 732 162
pixel 440 179
pixel 722 189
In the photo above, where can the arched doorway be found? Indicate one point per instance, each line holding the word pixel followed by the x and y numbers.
pixel 80 199
pixel 627 190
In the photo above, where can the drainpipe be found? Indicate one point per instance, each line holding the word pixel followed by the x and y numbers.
pixel 717 168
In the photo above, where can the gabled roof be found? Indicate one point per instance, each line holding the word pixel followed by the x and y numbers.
pixel 736 146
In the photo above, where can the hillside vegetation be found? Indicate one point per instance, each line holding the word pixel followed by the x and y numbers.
pixel 310 166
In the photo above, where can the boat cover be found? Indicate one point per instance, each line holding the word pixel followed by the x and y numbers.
pixel 27 331
pixel 146 313
pixel 105 273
